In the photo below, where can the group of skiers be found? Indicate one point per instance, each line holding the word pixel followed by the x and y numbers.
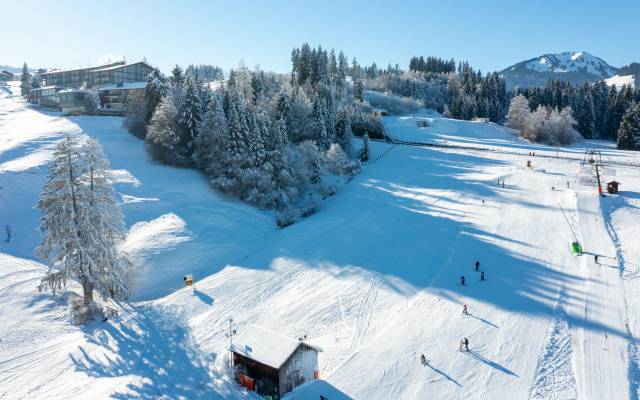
pixel 463 280
pixel 464 343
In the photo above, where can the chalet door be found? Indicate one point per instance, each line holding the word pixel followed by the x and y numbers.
pixel 292 380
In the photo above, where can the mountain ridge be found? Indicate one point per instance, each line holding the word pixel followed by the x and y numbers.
pixel 573 66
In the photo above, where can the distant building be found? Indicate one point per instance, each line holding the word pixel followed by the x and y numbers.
pixel 46 96
pixel 422 123
pixel 98 76
pixel 480 119
pixel 6 76
pixel 380 112
pixel 273 364
pixel 114 97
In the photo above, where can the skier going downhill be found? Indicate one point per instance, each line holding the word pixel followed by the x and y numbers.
pixel 466 344
pixel 482 275
pixel 477 265
pixel 462 280
pixel 595 257
pixel 464 309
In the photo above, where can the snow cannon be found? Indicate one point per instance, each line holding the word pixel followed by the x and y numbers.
pixel 576 248
pixel 188 280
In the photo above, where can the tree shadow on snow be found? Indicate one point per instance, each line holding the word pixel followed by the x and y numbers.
pixel 153 350
pixel 418 227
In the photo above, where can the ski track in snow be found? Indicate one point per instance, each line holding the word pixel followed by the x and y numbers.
pixel 554 377
pixel 633 346
pixel 602 350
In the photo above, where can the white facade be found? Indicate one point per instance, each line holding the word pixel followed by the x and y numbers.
pixel 300 368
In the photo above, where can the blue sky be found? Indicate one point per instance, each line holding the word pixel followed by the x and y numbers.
pixel 490 34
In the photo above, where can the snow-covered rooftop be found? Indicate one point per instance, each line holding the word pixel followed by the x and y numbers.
pixel 265 346
pixel 95 67
pixel 126 85
pixel 120 66
pixel 74 91
pixel 43 88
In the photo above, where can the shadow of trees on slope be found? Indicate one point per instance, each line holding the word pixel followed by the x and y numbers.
pixel 408 224
pixel 148 346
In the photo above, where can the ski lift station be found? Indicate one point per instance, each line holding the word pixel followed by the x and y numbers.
pixel 612 187
pixel 422 123
pixel 273 364
pixel 380 112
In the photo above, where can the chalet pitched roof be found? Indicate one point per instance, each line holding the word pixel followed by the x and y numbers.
pixel 265 346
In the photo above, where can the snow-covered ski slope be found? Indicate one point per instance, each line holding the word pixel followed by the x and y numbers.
pixel 373 278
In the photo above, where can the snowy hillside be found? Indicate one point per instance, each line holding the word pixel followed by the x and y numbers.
pixel 373 278
pixel 619 81
pixel 575 67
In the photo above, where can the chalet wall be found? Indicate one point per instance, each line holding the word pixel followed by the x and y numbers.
pixel 298 369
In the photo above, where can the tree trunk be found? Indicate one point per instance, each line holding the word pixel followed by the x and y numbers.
pixel 87 288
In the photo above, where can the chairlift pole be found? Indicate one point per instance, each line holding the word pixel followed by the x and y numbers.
pixel 230 336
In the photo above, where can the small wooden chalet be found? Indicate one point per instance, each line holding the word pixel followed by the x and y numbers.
pixel 273 364
pixel 422 123
pixel 380 112
pixel 612 187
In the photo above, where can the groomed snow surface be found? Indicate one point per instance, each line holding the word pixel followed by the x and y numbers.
pixel 373 278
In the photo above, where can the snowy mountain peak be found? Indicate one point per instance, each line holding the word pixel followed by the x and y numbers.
pixel 570 62
pixel 576 66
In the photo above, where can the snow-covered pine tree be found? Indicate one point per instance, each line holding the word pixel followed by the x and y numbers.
pixel 358 90
pixel 344 135
pixel 283 105
pixel 165 133
pixel 518 113
pixel 364 153
pixel 81 223
pixel 205 95
pixel 92 102
pixel 105 226
pixel 311 156
pixel 154 91
pixel 586 117
pixel 60 218
pixel 177 76
pixel 211 141
pixel 25 81
pixel 190 113
pixel 629 132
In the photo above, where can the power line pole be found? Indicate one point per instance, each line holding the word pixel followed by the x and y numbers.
pixel 230 335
